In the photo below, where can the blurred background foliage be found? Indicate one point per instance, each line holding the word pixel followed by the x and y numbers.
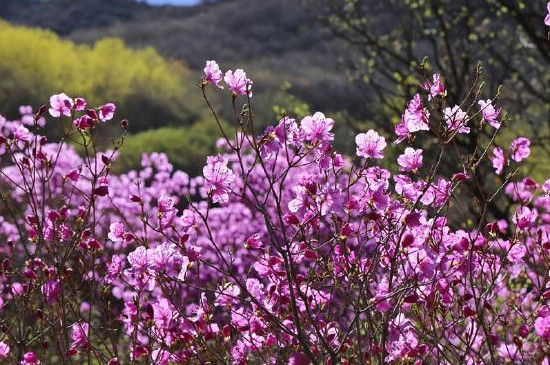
pixel 358 61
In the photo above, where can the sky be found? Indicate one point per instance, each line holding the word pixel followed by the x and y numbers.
pixel 172 2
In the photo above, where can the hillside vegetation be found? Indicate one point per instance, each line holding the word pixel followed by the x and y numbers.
pixel 35 64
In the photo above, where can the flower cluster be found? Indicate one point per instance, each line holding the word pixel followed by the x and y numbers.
pixel 283 251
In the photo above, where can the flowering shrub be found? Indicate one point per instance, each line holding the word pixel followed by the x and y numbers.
pixel 283 252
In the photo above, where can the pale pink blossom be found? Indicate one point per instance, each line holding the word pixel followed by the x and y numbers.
pixel 416 116
pixel 456 120
pixel 238 82
pixel 61 104
pixel 490 114
pixel 410 160
pixel 370 144
pixel 435 88
pixel 317 127
pixel 107 112
pixel 213 73
pixel 218 178
pixel 4 349
pixel 498 160
pixel 519 149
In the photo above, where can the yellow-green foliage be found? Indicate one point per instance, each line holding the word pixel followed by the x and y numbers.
pixel 35 64
pixel 186 147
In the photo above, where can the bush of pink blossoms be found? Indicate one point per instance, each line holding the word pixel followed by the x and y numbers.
pixel 283 252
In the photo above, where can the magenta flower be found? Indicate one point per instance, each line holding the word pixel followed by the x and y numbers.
pixel 165 204
pixel 22 134
pixel 79 104
pixel 547 19
pixel 4 349
pixel 546 186
pixel 401 130
pixel 498 160
pixel 416 116
pixel 213 73
pixel 435 88
pixel 370 144
pixel 61 104
pixel 84 122
pixel 317 128
pixel 51 290
pixel 410 160
pixel 116 232
pixel 542 327
pixel 238 82
pixel 516 253
pixel 519 149
pixel 107 112
pixel 218 178
pixel 79 336
pixel 489 112
pixel 30 358
pixel 456 120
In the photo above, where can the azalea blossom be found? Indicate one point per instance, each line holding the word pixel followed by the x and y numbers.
pixel 519 149
pixel 213 73
pixel 435 88
pixel 61 104
pixel 238 82
pixel 218 178
pixel 107 112
pixel 490 114
pixel 317 127
pixel 416 116
pixel 51 291
pixel 456 120
pixel 79 335
pixel 498 160
pixel 410 160
pixel 4 349
pixel 370 144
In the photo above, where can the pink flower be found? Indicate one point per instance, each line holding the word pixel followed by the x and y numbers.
pixel 30 358
pixel 166 204
pixel 22 134
pixel 61 104
pixel 519 149
pixel 516 253
pixel 410 160
pixel 84 122
pixel 489 112
pixel 298 358
pixel 79 104
pixel 435 88
pixel 546 186
pixel 4 349
pixel 416 116
pixel 116 232
pixel 456 120
pixel 401 130
pixel 79 336
pixel 547 19
pixel 317 127
pixel 51 290
pixel 370 144
pixel 238 82
pixel 542 327
pixel 213 74
pixel 498 160
pixel 107 112
pixel 218 178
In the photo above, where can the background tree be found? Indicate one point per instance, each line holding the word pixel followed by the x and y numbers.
pixel 396 45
